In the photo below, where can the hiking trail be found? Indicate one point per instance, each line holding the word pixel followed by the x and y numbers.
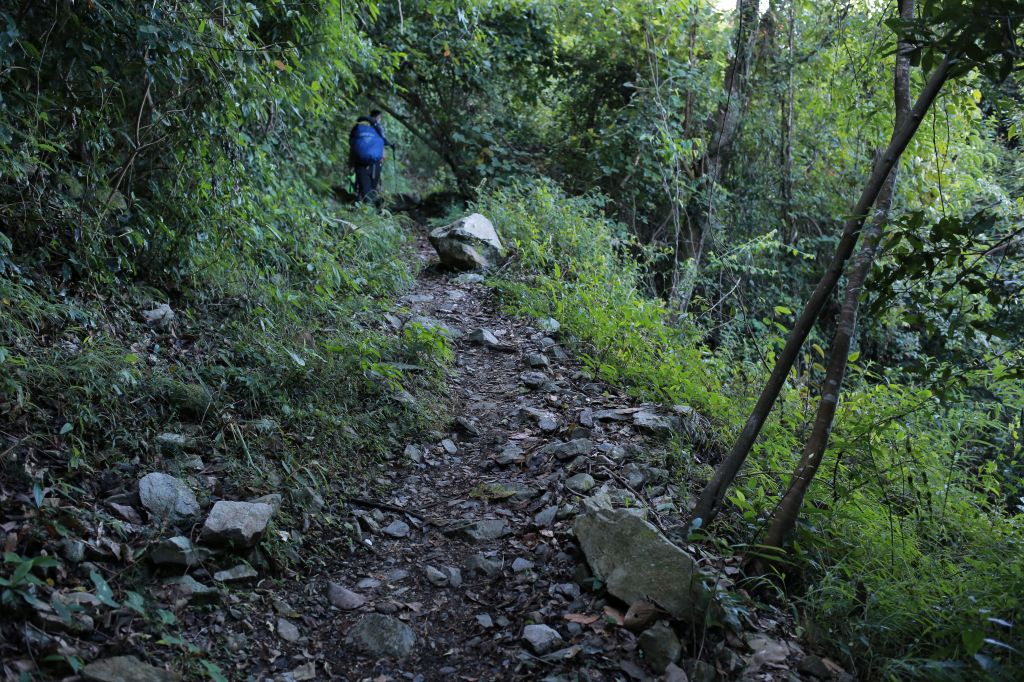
pixel 469 569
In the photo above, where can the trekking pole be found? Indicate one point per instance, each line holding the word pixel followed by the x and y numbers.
pixel 394 171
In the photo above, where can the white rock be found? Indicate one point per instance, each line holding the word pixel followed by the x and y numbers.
pixel 469 243
pixel 238 524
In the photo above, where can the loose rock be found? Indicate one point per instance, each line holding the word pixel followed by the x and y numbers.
pixel 167 499
pixel 548 324
pixel 236 574
pixel 537 360
pixel 436 577
pixel 484 337
pixel 482 564
pixel 343 598
pixel 380 635
pixel 396 529
pixel 660 646
pixel 176 551
pixel 159 317
pixel 580 483
pixel 483 530
pixel 287 630
pixel 545 420
pixel 190 590
pixel 656 424
pixel 545 518
pixel 236 524
pixel 541 638
pixel 569 450
pixel 815 666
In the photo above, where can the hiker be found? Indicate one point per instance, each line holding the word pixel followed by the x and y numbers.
pixel 365 154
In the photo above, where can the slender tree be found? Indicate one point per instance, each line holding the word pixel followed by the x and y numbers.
pixel 711 498
pixel 784 519
pixel 968 35
pixel 723 128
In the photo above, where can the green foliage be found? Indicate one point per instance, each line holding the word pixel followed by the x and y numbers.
pixel 468 80
pixel 19 583
pixel 907 550
pixel 124 123
pixel 577 267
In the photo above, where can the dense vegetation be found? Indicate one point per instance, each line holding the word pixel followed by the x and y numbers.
pixel 674 178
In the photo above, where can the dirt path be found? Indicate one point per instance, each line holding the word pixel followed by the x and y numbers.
pixel 469 614
pixel 475 541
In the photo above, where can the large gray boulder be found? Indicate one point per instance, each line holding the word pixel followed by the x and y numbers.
pixel 469 243
pixel 167 499
pixel 236 524
pixel 635 561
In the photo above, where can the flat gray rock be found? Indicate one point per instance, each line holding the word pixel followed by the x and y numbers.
pixel 167 499
pixel 545 420
pixel 343 598
pixel 174 443
pixel 287 630
pixel 545 517
pixel 436 577
pixel 635 561
pixel 191 590
pixel 655 424
pixel 569 450
pixel 434 325
pixel 580 483
pixel 484 337
pixel 534 380
pixel 469 278
pixel 396 529
pixel 481 564
pixel 482 531
pixel 536 360
pixel 382 636
pixel 548 324
pixel 236 524
pixel 236 574
pixel 126 669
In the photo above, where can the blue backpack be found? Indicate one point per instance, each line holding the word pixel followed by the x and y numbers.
pixel 366 145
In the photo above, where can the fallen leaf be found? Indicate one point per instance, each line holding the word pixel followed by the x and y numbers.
pixel 581 618
pixel 640 616
pixel 614 614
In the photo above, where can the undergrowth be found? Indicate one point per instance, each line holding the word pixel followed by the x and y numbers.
pixel 908 561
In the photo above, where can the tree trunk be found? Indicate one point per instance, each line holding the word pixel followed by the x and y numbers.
pixel 723 128
pixel 711 498
pixel 784 519
pixel 786 128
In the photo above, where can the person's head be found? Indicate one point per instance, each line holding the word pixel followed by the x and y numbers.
pixel 375 114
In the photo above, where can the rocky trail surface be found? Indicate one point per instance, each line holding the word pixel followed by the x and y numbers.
pixel 540 536
pixel 471 568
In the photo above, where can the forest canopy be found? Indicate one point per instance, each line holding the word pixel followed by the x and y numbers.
pixel 805 220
